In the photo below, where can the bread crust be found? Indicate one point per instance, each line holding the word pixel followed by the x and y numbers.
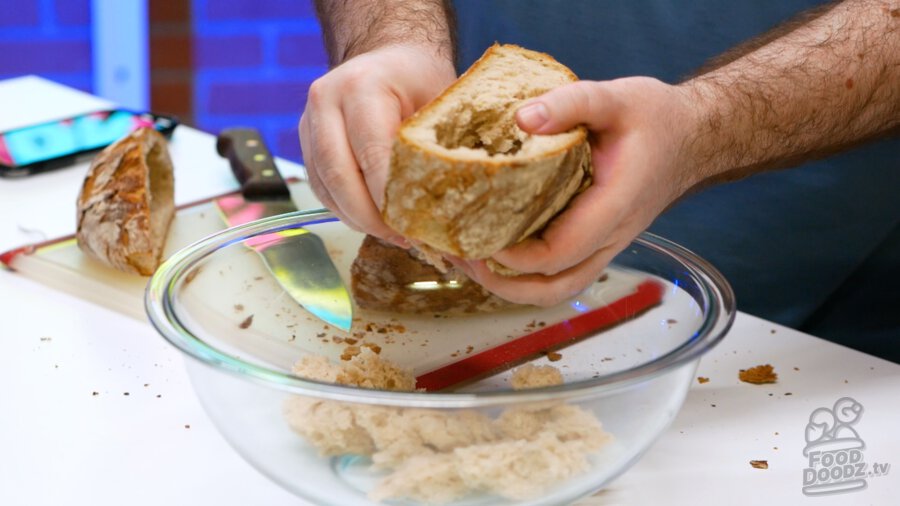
pixel 126 203
pixel 473 207
pixel 384 276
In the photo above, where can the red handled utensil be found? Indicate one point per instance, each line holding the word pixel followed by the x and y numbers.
pixel 507 355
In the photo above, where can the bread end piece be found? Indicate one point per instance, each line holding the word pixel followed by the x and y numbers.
pixel 465 180
pixel 392 279
pixel 127 203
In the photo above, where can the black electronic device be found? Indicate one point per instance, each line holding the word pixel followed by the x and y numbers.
pixel 65 142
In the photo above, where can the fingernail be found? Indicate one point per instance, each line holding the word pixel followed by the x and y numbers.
pixel 399 240
pixel 533 116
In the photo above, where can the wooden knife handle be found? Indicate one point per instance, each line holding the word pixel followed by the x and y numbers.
pixel 252 164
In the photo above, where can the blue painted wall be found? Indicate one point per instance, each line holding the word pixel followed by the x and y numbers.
pixel 50 38
pixel 251 61
pixel 254 60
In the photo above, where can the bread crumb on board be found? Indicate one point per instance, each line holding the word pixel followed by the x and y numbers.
pixel 758 375
pixel 702 379
pixel 438 456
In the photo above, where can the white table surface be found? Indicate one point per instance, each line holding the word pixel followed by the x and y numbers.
pixel 62 445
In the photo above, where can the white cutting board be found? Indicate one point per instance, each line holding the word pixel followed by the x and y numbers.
pixel 61 265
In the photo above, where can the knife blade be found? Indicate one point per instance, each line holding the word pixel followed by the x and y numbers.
pixel 296 258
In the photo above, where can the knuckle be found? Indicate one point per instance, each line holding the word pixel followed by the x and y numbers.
pixel 316 92
pixel 373 158
pixel 570 102
pixel 326 153
pixel 580 94
pixel 331 177
pixel 589 97
pixel 355 78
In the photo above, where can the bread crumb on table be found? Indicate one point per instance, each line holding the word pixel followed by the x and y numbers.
pixel 759 464
pixel 438 456
pixel 758 375
pixel 702 379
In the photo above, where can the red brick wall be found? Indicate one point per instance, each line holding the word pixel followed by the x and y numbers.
pixel 171 58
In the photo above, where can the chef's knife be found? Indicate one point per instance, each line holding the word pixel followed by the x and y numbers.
pixel 297 258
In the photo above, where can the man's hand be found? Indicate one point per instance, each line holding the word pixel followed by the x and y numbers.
pixel 389 58
pixel 351 116
pixel 637 128
pixel 801 92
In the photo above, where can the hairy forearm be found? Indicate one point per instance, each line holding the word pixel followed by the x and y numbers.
pixel 353 27
pixel 830 83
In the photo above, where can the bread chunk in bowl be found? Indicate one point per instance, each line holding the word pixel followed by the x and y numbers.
pixel 389 278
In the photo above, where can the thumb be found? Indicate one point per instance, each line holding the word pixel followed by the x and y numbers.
pixel 589 103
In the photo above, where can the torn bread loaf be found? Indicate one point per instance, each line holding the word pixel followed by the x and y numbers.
pixel 127 203
pixel 385 277
pixel 464 179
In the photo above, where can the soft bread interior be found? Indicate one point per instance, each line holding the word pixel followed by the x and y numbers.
pixel 476 117
pixel 464 179
pixel 161 188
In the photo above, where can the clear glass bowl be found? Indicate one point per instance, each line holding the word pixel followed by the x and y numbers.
pixel 483 443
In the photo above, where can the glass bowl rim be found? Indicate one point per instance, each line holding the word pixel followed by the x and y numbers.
pixel 158 303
